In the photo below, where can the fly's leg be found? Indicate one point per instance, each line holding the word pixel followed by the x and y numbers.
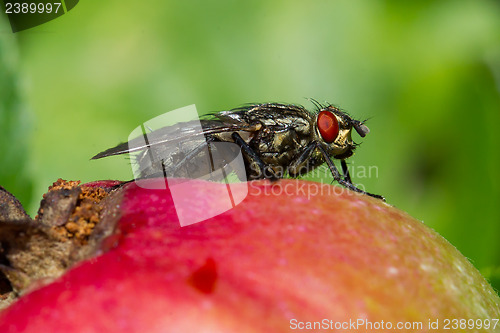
pixel 264 170
pixel 301 160
pixel 340 180
pixel 345 171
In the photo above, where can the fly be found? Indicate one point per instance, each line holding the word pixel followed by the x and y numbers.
pixel 275 140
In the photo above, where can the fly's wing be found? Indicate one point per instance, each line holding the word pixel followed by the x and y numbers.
pixel 247 118
pixel 175 134
pixel 196 158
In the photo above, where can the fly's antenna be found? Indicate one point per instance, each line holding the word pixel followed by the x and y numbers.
pixel 361 128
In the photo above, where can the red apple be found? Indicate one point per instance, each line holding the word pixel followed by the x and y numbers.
pixel 292 255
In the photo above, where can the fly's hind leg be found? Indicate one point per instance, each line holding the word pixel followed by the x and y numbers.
pixel 264 171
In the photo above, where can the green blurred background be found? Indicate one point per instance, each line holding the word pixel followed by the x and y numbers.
pixel 426 74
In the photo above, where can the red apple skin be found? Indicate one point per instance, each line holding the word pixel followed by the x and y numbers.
pixel 291 250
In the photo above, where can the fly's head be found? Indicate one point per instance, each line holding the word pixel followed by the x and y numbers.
pixel 333 130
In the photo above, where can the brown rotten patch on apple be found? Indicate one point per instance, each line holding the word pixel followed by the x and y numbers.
pixel 77 211
pixel 291 254
pixel 32 251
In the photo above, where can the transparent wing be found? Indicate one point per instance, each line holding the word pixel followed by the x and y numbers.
pixel 176 133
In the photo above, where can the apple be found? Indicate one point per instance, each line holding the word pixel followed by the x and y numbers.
pixel 292 255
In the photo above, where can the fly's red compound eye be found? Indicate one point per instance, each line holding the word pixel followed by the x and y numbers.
pixel 328 126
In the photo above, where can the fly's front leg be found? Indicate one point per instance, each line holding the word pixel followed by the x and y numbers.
pixel 340 180
pixel 345 171
pixel 265 171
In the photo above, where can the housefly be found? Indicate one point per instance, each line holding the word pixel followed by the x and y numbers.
pixel 274 139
